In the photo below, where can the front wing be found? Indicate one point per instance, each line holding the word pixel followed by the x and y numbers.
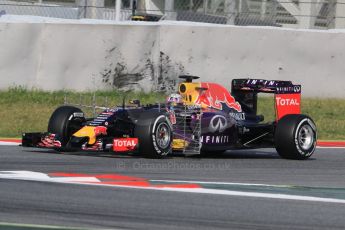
pixel 41 140
pixel 53 141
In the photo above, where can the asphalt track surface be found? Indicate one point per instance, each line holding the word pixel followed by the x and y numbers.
pixel 74 205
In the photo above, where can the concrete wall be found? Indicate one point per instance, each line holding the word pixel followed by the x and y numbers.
pixel 314 59
pixel 151 56
pixel 80 57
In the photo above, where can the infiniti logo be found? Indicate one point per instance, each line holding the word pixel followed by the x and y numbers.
pixel 218 123
pixel 297 89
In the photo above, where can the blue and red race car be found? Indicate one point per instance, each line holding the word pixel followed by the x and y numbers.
pixel 202 117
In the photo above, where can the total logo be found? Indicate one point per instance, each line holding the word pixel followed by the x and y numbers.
pixel 125 144
pixel 286 101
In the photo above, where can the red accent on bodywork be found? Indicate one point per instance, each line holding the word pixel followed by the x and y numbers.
pixel 215 95
pixel 287 104
pixel 172 117
pixel 100 130
pixel 49 142
pixel 125 144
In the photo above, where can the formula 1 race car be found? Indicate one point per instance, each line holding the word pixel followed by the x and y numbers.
pixel 201 118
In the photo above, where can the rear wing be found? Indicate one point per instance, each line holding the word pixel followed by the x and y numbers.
pixel 265 86
pixel 287 96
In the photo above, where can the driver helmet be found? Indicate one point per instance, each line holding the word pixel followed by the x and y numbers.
pixel 174 98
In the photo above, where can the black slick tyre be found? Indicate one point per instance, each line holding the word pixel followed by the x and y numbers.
pixel 155 136
pixel 65 121
pixel 295 137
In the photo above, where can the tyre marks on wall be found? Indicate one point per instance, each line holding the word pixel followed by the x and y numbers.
pixel 118 75
pixel 169 71
pixel 148 74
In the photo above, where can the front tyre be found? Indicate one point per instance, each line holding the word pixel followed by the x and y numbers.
pixel 295 137
pixel 65 121
pixel 155 137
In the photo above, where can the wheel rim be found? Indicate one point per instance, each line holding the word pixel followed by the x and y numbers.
pixel 306 137
pixel 163 136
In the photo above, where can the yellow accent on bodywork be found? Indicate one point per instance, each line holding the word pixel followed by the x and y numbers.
pixel 87 131
pixel 179 144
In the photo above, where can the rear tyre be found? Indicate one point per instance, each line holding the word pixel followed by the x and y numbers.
pixel 65 121
pixel 155 136
pixel 295 137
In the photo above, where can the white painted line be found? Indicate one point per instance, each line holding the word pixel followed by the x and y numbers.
pixel 76 179
pixel 220 183
pixel 36 176
pixel 24 174
pixel 259 195
pixel 6 143
pixel 329 147
pixel 229 193
pixel 3 225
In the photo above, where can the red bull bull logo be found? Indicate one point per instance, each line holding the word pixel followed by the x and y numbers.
pixel 91 132
pixel 215 95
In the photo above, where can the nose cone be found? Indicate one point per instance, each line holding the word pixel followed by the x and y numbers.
pixel 91 132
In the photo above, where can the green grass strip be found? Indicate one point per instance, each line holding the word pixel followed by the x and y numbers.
pixel 23 110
